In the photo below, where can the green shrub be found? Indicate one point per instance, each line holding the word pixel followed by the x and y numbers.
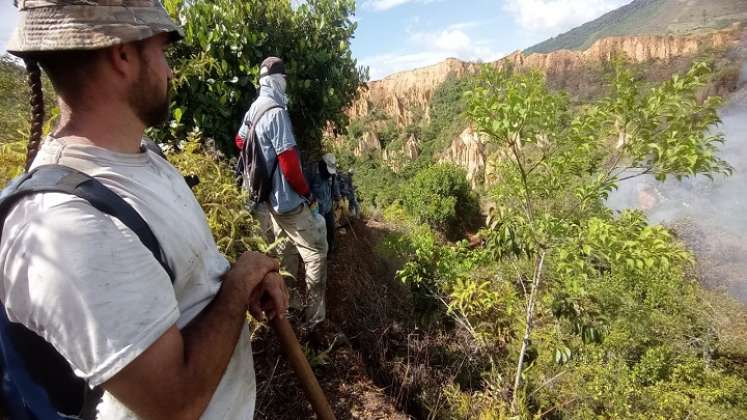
pixel 221 199
pixel 15 120
pixel 441 197
pixel 12 160
pixel 377 185
pixel 388 134
pixel 355 131
pixel 447 116
pixel 14 100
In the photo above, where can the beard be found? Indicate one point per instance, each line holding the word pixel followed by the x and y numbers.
pixel 148 99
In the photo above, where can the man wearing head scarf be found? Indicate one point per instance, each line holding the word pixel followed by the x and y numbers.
pixel 291 209
pixel 80 278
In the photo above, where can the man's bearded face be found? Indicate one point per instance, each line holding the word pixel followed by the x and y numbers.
pixel 149 96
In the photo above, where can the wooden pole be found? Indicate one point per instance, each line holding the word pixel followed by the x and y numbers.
pixel 292 349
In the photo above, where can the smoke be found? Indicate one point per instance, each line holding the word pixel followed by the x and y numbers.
pixel 709 215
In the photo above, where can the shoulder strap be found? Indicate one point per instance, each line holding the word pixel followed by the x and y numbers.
pixel 261 111
pixel 151 145
pixel 251 135
pixel 63 179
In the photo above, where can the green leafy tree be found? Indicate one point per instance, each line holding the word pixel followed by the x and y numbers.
pixel 547 155
pixel 440 196
pixel 217 64
pixel 585 313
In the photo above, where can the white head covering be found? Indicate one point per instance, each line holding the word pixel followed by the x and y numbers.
pixel 277 83
pixel 331 162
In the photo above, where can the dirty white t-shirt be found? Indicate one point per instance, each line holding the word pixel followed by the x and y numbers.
pixel 85 282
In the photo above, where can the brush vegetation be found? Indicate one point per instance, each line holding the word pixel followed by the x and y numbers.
pixel 564 308
pixel 560 308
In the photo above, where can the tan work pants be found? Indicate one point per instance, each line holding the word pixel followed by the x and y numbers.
pixel 262 215
pixel 307 237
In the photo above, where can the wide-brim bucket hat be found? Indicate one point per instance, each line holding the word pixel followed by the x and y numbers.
pixel 58 25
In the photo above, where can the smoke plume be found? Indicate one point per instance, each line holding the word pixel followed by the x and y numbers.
pixel 709 215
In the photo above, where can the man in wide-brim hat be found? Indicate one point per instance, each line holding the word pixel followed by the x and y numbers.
pixel 81 279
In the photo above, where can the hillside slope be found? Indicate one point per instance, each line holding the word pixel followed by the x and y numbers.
pixel 650 17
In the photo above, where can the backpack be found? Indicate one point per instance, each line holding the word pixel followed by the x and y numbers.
pixel 37 382
pixel 252 167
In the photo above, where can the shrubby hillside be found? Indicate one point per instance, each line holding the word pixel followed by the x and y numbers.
pixel 420 112
pixel 559 307
pixel 506 289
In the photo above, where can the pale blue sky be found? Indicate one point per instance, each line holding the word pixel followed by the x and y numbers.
pixel 395 35
pixel 8 20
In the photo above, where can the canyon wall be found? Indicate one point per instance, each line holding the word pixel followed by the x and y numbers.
pixel 401 96
pixel 404 97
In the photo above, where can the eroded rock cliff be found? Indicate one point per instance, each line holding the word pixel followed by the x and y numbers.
pixel 404 97
pixel 397 155
pixel 368 146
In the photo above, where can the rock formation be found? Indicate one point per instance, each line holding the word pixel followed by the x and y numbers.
pixel 638 49
pixel 396 155
pixel 405 96
pixel 368 146
pixel 412 149
pixel 468 151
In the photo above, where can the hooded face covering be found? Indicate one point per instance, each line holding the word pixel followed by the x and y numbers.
pixel 277 83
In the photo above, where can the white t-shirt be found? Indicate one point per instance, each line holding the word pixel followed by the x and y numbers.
pixel 84 281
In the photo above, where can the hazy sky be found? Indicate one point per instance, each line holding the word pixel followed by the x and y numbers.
pixel 8 19
pixel 396 35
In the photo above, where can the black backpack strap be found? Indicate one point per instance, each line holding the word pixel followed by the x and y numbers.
pixel 38 375
pixel 148 144
pixel 251 137
pixel 260 113
pixel 252 125
pixel 63 179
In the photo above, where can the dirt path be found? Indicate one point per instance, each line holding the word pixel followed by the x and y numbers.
pixel 362 301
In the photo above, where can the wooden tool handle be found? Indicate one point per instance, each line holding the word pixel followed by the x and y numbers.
pixel 292 349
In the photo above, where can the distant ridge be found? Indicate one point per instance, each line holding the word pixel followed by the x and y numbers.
pixel 650 17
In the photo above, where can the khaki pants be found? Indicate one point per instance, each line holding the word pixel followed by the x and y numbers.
pixel 307 237
pixel 342 212
pixel 262 215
